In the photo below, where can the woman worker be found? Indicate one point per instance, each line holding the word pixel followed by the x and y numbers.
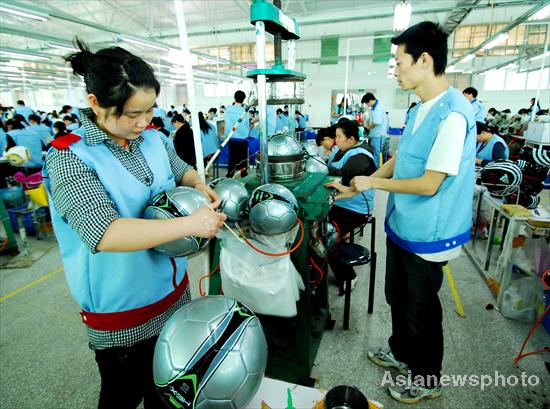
pixel 99 182
pixel 490 146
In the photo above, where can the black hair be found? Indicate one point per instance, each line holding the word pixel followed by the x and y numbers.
pixel 298 113
pixel 239 96
pixel 112 74
pixel 68 118
pixel 426 37
pixel 342 119
pixel 205 126
pixel 178 118
pixel 492 110
pixel 35 118
pixel 60 126
pixel 20 118
pixel 21 102
pixel 279 111
pixel 506 111
pixel 369 96
pixel 169 114
pixel 66 108
pixel 482 127
pixel 15 124
pixel 158 122
pixel 350 129
pixel 471 91
pixel 47 122
pixel 214 110
pixel 321 134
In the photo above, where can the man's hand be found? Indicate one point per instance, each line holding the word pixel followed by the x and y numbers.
pixel 362 183
pixel 208 191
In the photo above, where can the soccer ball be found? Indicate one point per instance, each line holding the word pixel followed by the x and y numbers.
pixel 501 177
pixel 18 155
pixel 283 145
pixel 211 354
pixel 234 197
pixel 177 202
pixel 310 149
pixel 272 209
pixel 315 164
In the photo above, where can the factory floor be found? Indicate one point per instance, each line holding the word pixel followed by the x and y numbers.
pixel 45 361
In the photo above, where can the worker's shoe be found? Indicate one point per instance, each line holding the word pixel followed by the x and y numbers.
pixel 384 357
pixel 413 394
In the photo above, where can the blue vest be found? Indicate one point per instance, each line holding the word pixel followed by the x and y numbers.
pixel 431 224
pixel 32 141
pixel 209 141
pixel 114 282
pixel 485 152
pixel 43 131
pixel 282 121
pixel 378 113
pixel 300 122
pixel 25 111
pixel 3 141
pixel 479 110
pixel 231 116
pixel 362 203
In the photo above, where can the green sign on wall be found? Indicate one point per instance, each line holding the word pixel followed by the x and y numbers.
pixel 381 49
pixel 329 50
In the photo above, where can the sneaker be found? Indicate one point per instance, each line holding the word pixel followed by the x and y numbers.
pixel 413 394
pixel 384 357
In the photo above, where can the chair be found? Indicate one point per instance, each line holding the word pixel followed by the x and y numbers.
pixel 353 255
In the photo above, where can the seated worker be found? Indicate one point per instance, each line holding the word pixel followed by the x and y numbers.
pixel 350 158
pixel 490 146
pixel 209 138
pixel 327 139
pixel 184 144
pixel 19 135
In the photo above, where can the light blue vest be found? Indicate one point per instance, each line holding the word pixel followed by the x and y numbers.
pixel 3 141
pixel 32 141
pixel 209 141
pixel 25 111
pixel 431 224
pixel 300 122
pixel 362 203
pixel 43 131
pixel 486 152
pixel 379 116
pixel 479 110
pixel 231 116
pixel 114 282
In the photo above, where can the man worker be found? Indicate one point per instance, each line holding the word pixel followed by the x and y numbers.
pixel 377 124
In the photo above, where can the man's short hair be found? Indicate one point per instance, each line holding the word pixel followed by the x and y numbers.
pixel 470 91
pixel 34 118
pixel 426 37
pixel 239 96
pixel 321 134
pixel 369 96
pixel 20 102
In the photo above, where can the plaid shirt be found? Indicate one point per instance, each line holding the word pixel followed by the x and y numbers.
pixel 79 197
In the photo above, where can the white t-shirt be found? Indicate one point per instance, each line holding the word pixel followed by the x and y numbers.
pixel 444 157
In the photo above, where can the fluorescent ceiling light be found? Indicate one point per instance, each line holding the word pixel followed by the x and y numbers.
pixel 538 57
pixel 401 15
pixel 143 43
pixel 453 69
pixel 213 59
pixel 22 55
pixel 542 14
pixel 63 47
pixel 23 13
pixel 496 41
pixel 467 58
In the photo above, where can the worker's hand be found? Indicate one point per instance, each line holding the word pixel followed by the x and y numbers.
pixel 478 161
pixel 208 191
pixel 345 191
pixel 362 183
pixel 207 221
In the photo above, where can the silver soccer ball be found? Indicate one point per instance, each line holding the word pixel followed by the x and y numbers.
pixel 310 149
pixel 212 353
pixel 315 164
pixel 283 145
pixel 272 209
pixel 234 198
pixel 177 202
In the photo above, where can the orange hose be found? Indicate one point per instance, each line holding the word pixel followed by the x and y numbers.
pixel 521 355
pixel 277 254
pixel 320 270
pixel 202 294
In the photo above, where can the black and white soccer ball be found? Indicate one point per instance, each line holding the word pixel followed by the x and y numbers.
pixel 501 177
pixel 234 197
pixel 211 353
pixel 272 209
pixel 178 202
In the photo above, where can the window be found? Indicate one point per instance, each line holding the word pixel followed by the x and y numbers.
pixel 459 81
pixel 500 80
pixel 494 80
pixel 515 81
pixel 533 79
pixel 468 37
pixel 240 53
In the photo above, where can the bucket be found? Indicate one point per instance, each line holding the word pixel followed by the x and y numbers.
pixel 25 216
pixel 345 397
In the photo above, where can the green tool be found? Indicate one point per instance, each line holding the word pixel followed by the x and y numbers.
pixel 289 399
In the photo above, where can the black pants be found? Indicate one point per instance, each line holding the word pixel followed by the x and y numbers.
pixel 412 284
pixel 347 221
pixel 238 156
pixel 127 377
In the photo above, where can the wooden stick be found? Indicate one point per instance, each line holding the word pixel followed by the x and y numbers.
pixel 227 227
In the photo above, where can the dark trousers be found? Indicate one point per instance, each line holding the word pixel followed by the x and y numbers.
pixel 238 156
pixel 412 284
pixel 347 221
pixel 127 377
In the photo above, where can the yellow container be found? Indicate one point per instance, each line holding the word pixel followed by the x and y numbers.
pixel 38 195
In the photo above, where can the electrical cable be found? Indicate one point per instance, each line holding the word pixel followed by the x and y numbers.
pixel 320 270
pixel 521 355
pixel 202 294
pixel 275 254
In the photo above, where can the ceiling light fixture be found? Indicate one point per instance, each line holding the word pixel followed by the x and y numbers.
pixel 496 41
pixel 467 58
pixel 538 57
pixel 63 47
pixel 542 14
pixel 23 55
pixel 142 43
pixel 16 11
pixel 402 15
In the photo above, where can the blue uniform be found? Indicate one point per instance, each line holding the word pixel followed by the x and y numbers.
pixel 25 111
pixel 43 131
pixel 431 224
pixel 282 122
pixel 485 151
pixel 378 133
pixel 209 141
pixel 479 110
pixel 3 141
pixel 32 141
pixel 231 116
pixel 99 282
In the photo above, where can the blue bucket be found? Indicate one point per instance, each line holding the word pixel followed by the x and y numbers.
pixel 25 216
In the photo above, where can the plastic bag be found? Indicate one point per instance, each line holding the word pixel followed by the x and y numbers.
pixel 265 284
pixel 522 299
